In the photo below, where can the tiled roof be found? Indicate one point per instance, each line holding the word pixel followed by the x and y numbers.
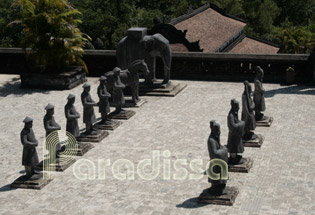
pixel 252 46
pixel 178 47
pixel 211 28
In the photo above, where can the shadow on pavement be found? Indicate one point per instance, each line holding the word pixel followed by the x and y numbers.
pixel 295 89
pixel 12 87
pixel 191 204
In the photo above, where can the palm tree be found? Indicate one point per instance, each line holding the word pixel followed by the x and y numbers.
pixel 296 40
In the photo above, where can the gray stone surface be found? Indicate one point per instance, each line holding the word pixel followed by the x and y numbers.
pixel 281 180
pixel 243 167
pixel 226 199
pixel 266 122
pixel 257 142
pixel 123 115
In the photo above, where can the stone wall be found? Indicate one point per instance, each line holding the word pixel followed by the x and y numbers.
pixel 190 65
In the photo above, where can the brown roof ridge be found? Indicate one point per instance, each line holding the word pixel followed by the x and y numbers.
pixel 263 41
pixel 231 45
pixel 201 9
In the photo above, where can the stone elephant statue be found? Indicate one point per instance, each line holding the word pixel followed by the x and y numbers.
pixel 148 48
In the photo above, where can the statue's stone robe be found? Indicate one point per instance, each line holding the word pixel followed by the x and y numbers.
pixel 50 124
pixel 248 116
pixel 88 108
pixel 103 96
pixel 29 142
pixel 217 151
pixel 236 131
pixel 259 98
pixel 118 94
pixel 72 122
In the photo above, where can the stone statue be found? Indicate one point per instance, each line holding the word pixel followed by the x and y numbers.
pixel 72 117
pixel 49 120
pixel 88 109
pixel 129 77
pixel 29 142
pixel 236 131
pixel 103 103
pixel 217 151
pixel 118 94
pixel 248 116
pixel 50 126
pixel 259 98
pixel 138 45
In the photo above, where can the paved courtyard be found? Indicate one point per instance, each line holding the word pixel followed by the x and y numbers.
pixel 281 180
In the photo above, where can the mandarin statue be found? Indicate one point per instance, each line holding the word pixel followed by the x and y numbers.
pixel 103 103
pixel 50 126
pixel 129 77
pixel 236 131
pixel 118 94
pixel 248 116
pixel 30 157
pixel 72 117
pixel 217 151
pixel 88 103
pixel 259 98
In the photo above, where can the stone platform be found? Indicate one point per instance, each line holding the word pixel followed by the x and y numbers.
pixel 242 168
pixel 124 115
pixel 254 143
pixel 45 165
pixel 171 89
pixel 129 103
pixel 266 122
pixel 97 137
pixel 84 148
pixel 226 199
pixel 25 183
pixel 109 126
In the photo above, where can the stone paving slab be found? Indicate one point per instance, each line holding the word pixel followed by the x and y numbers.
pixel 281 180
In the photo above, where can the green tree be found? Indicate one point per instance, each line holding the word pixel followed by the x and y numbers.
pixel 50 31
pixel 106 19
pixel 295 40
pixel 296 11
pixel 232 7
pixel 261 16
pixel 9 37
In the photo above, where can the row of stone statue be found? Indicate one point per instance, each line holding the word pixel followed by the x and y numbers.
pixel 94 131
pixel 241 133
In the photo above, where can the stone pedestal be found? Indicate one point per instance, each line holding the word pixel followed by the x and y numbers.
pixel 51 80
pixel 266 122
pixel 254 143
pixel 227 199
pixel 130 104
pixel 125 114
pixel 58 166
pixel 112 125
pixel 242 168
pixel 29 183
pixel 94 137
pixel 158 89
pixel 83 148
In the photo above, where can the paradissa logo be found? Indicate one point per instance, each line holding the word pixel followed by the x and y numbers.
pixel 62 147
pixel 149 169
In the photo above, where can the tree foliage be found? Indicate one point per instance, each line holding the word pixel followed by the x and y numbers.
pixel 295 40
pixel 50 31
pixel 110 19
